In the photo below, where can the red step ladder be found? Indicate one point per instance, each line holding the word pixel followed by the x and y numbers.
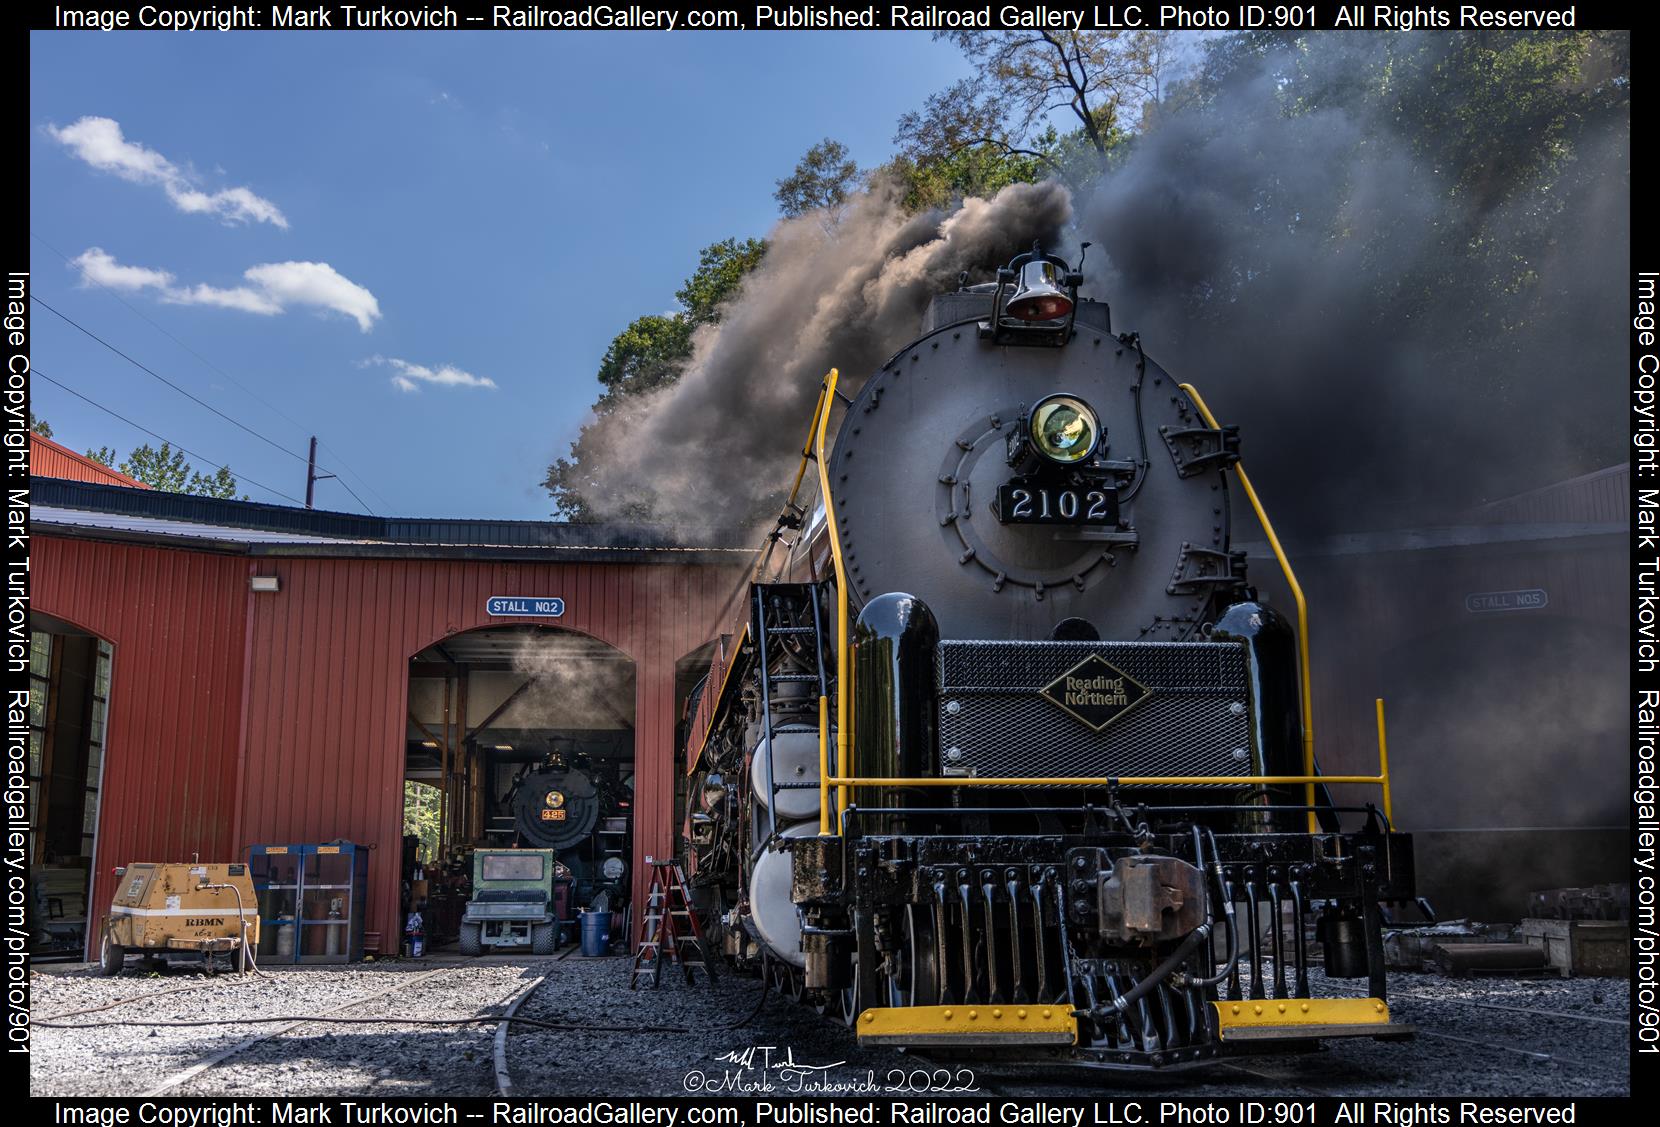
pixel 669 931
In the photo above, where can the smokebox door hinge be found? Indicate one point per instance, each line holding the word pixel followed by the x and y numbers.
pixel 1196 449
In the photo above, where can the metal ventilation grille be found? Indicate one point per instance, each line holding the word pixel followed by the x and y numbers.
pixel 994 722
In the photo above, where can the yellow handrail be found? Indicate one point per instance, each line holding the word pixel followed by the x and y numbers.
pixel 1302 610
pixel 823 765
pixel 827 398
pixel 821 407
pixel 1383 768
pixel 1121 781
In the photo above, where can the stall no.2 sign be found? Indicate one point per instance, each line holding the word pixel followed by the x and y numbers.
pixel 533 606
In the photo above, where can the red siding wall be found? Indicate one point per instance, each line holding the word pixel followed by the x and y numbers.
pixel 320 671
pixel 176 621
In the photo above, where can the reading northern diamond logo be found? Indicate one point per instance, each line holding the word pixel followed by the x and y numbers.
pixel 1095 692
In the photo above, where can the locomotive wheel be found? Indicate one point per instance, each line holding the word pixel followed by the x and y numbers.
pixel 865 988
pixel 916 983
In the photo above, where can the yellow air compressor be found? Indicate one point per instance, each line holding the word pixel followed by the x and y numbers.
pixel 168 912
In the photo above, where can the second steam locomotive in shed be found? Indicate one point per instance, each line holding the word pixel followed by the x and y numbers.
pixel 1007 755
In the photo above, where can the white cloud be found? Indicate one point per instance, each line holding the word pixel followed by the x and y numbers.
pixel 98 266
pixel 243 298
pixel 315 283
pixel 408 377
pixel 273 288
pixel 99 142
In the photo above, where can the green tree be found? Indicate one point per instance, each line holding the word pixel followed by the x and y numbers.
pixel 222 484
pixel 420 816
pixel 1008 123
pixel 40 426
pixel 163 469
pixel 649 354
pixel 822 180
pixel 1102 78
pixel 166 470
pixel 721 269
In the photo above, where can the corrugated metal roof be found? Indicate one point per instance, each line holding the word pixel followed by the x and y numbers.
pixel 1601 496
pixel 52 517
pixel 317 523
pixel 52 459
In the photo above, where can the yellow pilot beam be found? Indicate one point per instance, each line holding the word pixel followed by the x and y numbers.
pixel 1296 594
pixel 1311 1017
pixel 827 397
pixel 969 1025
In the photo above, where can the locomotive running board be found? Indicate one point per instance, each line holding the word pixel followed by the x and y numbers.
pixel 1302 1019
pixel 968 1025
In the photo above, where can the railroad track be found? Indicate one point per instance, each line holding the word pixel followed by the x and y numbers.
pixel 1514 1009
pixel 1539 1055
pixel 504 1078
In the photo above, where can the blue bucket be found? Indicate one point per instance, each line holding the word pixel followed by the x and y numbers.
pixel 596 934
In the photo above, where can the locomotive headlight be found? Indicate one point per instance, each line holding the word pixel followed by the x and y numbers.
pixel 1064 429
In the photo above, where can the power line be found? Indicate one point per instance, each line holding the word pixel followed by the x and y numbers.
pixel 194 399
pixel 361 480
pixel 311 468
pixel 202 457
pixel 149 371
pixel 255 396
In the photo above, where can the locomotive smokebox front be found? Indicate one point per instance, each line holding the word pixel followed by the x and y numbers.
pixel 1066 479
pixel 555 808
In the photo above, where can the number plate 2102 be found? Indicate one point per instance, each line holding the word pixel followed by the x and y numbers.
pixel 1019 503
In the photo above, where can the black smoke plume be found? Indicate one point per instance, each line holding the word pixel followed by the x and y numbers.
pixel 1401 278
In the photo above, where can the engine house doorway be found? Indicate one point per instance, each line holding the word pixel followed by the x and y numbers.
pixel 69 688
pixel 518 737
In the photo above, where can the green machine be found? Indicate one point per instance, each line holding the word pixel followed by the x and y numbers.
pixel 516 901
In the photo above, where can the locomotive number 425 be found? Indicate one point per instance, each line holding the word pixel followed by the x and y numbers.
pixel 1023 503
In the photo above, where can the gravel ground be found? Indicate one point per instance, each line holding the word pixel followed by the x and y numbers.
pixel 312 1060
pixel 1465 1045
pixel 1462 1049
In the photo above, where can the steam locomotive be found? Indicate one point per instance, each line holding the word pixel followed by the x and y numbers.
pixel 1007 757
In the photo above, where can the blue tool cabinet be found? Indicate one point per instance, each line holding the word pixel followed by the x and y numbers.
pixel 311 901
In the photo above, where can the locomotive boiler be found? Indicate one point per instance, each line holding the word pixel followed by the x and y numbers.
pixel 1007 756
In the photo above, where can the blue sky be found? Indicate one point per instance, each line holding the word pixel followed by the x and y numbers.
pixel 416 246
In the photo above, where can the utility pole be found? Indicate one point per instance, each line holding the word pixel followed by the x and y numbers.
pixel 312 477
